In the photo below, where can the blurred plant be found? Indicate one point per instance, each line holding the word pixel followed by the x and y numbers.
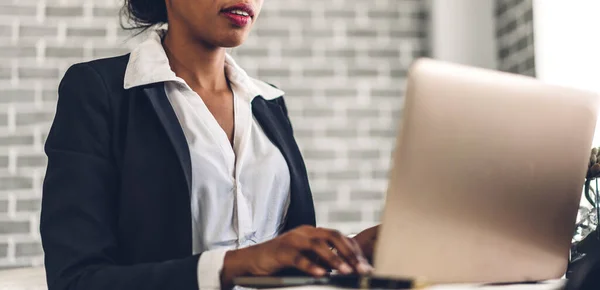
pixel 586 239
pixel 586 223
pixel 588 218
pixel 593 173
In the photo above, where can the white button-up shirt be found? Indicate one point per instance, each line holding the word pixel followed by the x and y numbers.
pixel 239 194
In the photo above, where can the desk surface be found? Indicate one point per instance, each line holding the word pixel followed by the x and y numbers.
pixel 550 285
pixel 34 279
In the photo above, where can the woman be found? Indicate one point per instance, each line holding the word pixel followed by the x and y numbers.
pixel 170 168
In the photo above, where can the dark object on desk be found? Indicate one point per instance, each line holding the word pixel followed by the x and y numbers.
pixel 511 283
pixel 291 272
pixel 586 273
pixel 342 281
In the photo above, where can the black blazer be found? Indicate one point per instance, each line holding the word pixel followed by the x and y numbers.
pixel 116 196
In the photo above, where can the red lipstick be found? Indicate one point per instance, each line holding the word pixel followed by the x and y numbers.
pixel 239 15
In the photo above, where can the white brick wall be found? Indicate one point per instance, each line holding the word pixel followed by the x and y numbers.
pixel 341 62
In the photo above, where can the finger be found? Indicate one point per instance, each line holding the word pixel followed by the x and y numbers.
pixel 341 245
pixel 364 261
pixel 319 249
pixel 324 252
pixel 346 249
pixel 357 249
pixel 303 263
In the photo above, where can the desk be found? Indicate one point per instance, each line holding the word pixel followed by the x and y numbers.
pixel 550 285
pixel 35 279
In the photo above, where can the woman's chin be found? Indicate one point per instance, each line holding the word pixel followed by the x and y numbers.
pixel 231 43
pixel 224 35
pixel 233 40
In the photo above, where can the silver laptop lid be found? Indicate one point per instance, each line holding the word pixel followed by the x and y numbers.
pixel 486 178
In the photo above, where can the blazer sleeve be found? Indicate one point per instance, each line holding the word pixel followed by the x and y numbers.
pixel 79 204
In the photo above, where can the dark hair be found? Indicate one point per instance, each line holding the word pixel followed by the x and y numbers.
pixel 143 14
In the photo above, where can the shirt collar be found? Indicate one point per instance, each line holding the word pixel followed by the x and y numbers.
pixel 148 64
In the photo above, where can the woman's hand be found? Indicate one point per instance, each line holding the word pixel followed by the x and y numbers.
pixel 366 241
pixel 300 249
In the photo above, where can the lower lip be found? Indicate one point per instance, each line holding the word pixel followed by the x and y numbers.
pixel 237 20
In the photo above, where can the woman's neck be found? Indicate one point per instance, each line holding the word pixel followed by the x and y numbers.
pixel 199 64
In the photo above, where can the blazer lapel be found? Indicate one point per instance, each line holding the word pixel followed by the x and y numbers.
pixel 158 97
pixel 275 123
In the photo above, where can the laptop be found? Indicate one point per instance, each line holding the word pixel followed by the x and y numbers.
pixel 485 180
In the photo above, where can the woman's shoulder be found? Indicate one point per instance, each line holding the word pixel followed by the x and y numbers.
pixel 110 71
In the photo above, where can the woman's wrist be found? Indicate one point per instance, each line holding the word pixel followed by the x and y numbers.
pixel 235 264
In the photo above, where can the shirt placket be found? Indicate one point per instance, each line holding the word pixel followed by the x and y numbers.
pixel 243 121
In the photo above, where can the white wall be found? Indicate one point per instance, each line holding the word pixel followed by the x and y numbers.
pixel 463 31
pixel 567 44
